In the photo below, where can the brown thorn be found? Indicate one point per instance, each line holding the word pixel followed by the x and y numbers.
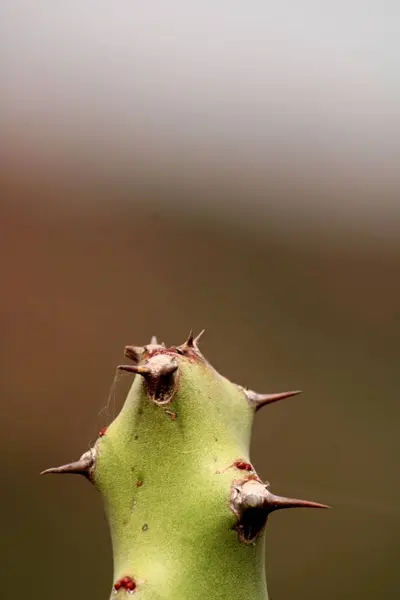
pixel 190 340
pixel 150 371
pixel 278 502
pixel 82 466
pixel 251 494
pixel 260 400
pixel 252 502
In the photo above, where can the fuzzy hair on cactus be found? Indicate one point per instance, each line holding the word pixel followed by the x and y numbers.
pixel 186 509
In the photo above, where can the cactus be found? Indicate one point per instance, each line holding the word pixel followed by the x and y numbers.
pixel 186 508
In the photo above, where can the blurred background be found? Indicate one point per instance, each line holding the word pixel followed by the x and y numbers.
pixel 233 166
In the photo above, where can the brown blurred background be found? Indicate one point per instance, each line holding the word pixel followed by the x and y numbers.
pixel 259 199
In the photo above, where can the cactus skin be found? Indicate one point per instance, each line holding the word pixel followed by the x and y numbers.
pixel 186 510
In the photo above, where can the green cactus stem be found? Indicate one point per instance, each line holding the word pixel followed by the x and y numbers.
pixel 186 509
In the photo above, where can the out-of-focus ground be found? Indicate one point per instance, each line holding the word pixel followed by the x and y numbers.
pixel 286 250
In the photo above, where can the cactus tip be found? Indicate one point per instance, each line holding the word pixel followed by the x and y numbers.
pixel 181 443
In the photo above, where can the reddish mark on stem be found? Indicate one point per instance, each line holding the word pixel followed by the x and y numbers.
pixel 159 350
pixel 126 583
pixel 172 414
pixel 102 431
pixel 139 483
pixel 241 464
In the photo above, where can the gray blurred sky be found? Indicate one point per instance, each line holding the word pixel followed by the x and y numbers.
pixel 244 89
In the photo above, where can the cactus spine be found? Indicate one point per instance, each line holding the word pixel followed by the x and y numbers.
pixel 186 509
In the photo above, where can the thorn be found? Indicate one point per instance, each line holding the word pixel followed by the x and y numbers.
pixel 134 353
pixel 140 370
pixel 279 502
pixel 190 340
pixel 251 494
pixel 197 338
pixel 260 400
pixel 252 502
pixel 153 341
pixel 83 466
